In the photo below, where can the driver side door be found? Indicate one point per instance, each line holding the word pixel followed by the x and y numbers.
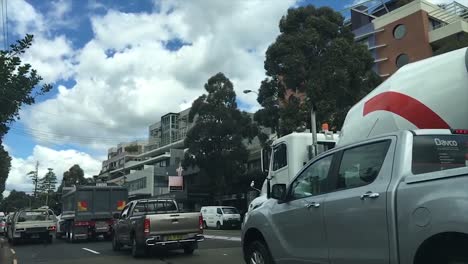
pixel 299 221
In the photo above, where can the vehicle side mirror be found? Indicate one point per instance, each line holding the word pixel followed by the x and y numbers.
pixel 252 186
pixel 278 191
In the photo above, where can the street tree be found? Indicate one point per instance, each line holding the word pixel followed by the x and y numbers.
pixel 5 164
pixel 47 184
pixel 17 88
pixel 216 142
pixel 314 62
pixel 16 200
pixel 74 176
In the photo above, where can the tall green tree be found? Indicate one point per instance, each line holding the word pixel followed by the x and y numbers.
pixel 216 141
pixel 313 62
pixel 17 88
pixel 74 176
pixel 47 184
pixel 16 200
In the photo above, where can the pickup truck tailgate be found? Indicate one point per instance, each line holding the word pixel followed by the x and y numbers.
pixel 175 223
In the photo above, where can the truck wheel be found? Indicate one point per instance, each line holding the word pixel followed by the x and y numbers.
pixel 258 253
pixel 116 246
pixel 218 225
pixel 137 250
pixel 189 249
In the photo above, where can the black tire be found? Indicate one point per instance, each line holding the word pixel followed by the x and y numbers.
pixel 71 237
pixel 258 253
pixel 108 237
pixel 116 246
pixel 218 225
pixel 189 249
pixel 137 250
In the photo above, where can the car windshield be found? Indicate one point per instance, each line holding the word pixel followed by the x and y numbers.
pixel 230 210
pixel 28 216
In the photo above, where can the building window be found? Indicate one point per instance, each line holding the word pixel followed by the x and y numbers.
pixel 402 60
pixel 399 31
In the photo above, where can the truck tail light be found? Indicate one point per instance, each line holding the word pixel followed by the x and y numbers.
pixel 146 226
pixel 200 223
pixel 52 228
pixel 460 131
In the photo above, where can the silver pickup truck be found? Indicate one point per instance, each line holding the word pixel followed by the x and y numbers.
pixel 149 223
pixel 396 198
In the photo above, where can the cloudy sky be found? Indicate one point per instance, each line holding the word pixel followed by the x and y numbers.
pixel 117 66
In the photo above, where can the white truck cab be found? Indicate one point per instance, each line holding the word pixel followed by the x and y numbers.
pixel 288 155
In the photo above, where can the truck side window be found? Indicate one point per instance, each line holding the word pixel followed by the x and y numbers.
pixel 313 180
pixel 218 211
pixel 361 165
pixel 280 159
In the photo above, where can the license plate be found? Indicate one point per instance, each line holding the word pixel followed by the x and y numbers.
pixel 174 237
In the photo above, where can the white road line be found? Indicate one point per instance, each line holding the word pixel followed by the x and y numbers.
pixel 13 251
pixel 15 261
pixel 92 251
pixel 223 238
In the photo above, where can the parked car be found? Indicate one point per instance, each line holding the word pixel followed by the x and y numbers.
pixel 221 217
pixel 396 198
pixel 147 224
pixel 32 224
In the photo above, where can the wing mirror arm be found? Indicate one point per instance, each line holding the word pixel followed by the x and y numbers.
pixel 252 186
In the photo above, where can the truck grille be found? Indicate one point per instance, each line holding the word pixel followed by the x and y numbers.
pixel 36 229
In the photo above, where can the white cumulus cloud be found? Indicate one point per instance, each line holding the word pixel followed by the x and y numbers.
pixel 59 160
pixel 127 76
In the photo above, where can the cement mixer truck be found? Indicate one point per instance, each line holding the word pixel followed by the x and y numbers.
pixel 393 190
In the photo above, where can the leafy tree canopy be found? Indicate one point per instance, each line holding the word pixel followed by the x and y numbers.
pixel 216 141
pixel 313 62
pixel 17 88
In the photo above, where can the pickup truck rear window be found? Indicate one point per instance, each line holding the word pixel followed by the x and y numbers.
pixel 154 207
pixel 439 152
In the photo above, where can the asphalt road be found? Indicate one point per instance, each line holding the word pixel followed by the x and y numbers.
pixel 221 247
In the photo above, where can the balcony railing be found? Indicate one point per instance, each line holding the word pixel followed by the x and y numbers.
pixel 449 14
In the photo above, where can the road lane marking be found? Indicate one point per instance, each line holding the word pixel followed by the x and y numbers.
pixel 92 251
pixel 15 261
pixel 13 251
pixel 223 238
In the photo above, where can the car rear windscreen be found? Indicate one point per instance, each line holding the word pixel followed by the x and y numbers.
pixel 439 152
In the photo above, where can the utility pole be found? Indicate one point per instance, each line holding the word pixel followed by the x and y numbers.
pixel 36 179
pixel 313 130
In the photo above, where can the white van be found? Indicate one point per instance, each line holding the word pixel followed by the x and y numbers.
pixel 221 217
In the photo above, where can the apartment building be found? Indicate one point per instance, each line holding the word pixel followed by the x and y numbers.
pixel 172 128
pixel 396 35
pixel 124 152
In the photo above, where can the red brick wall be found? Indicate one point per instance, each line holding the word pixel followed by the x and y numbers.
pixel 415 43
